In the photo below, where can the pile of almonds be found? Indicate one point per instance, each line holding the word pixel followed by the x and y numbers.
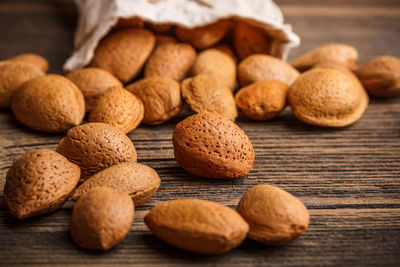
pixel 144 73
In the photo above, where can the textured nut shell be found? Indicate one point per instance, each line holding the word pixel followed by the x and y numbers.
pixel 39 61
pixel 218 65
pixel 333 65
pixel 203 37
pixel 341 53
pixel 13 74
pixel 165 39
pixel 381 76
pixel 170 60
pixel 138 180
pixel 38 183
pixel 275 216
pixel 249 40
pixel 160 28
pixel 119 108
pixel 327 97
pixel 124 52
pixel 161 97
pixel 129 23
pixel 101 218
pixel 92 82
pixel 262 100
pixel 95 147
pixel 261 67
pixel 196 225
pixel 50 103
pixel 226 49
pixel 212 146
pixel 205 94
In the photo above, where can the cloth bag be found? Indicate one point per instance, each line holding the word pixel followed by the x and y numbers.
pixel 97 17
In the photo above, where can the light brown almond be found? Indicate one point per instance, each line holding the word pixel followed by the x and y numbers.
pixel 38 183
pixel 198 226
pixel 249 40
pixel 39 61
pixel 275 216
pixel 138 180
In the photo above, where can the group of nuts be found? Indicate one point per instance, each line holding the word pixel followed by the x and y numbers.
pixel 98 154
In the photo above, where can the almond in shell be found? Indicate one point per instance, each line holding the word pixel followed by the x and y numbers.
pixel 39 61
pixel 249 40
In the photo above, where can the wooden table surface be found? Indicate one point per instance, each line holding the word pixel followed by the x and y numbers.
pixel 349 178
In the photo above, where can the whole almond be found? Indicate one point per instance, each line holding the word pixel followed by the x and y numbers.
pixel 119 108
pixel 170 60
pixel 13 74
pixel 138 180
pixel 124 52
pixel 161 97
pixel 212 146
pixel 92 82
pixel 127 23
pixel 262 100
pixel 50 103
pixel 218 65
pixel 165 39
pixel 343 54
pixel 101 218
pixel 259 67
pixel 381 76
pixel 38 183
pixel 203 37
pixel 95 147
pixel 205 94
pixel 196 225
pixel 275 216
pixel 333 65
pixel 227 49
pixel 160 28
pixel 39 61
pixel 249 40
pixel 327 97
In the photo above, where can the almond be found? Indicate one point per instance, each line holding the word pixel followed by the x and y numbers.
pixel 327 97
pixel 262 100
pixel 124 52
pixel 204 37
pixel 249 40
pixel 38 183
pixel 196 225
pixel 161 97
pixel 101 218
pixel 275 216
pixel 92 82
pixel 381 76
pixel 138 180
pixel 39 61
pixel 210 145
pixel 170 60
pixel 227 49
pixel 119 108
pixel 165 39
pixel 160 28
pixel 218 65
pixel 343 54
pixel 50 103
pixel 13 74
pixel 262 67
pixel 205 94
pixel 95 147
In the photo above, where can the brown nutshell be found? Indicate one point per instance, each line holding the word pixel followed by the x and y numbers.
pixel 38 183
pixel 138 180
pixel 124 52
pixel 259 67
pixel 205 94
pixel 39 61
pixel 161 97
pixel 275 216
pixel 50 103
pixel 262 100
pixel 209 145
pixel 119 108
pixel 92 82
pixel 95 147
pixel 101 218
pixel 170 60
pixel 13 74
pixel 249 40
pixel 198 226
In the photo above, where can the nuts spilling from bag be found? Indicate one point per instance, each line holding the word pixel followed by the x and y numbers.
pixel 140 75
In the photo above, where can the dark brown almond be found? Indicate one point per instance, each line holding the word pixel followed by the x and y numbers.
pixel 249 40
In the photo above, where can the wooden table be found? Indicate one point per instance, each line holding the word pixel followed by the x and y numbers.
pixel 349 178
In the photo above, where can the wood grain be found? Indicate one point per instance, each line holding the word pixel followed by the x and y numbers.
pixel 349 178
